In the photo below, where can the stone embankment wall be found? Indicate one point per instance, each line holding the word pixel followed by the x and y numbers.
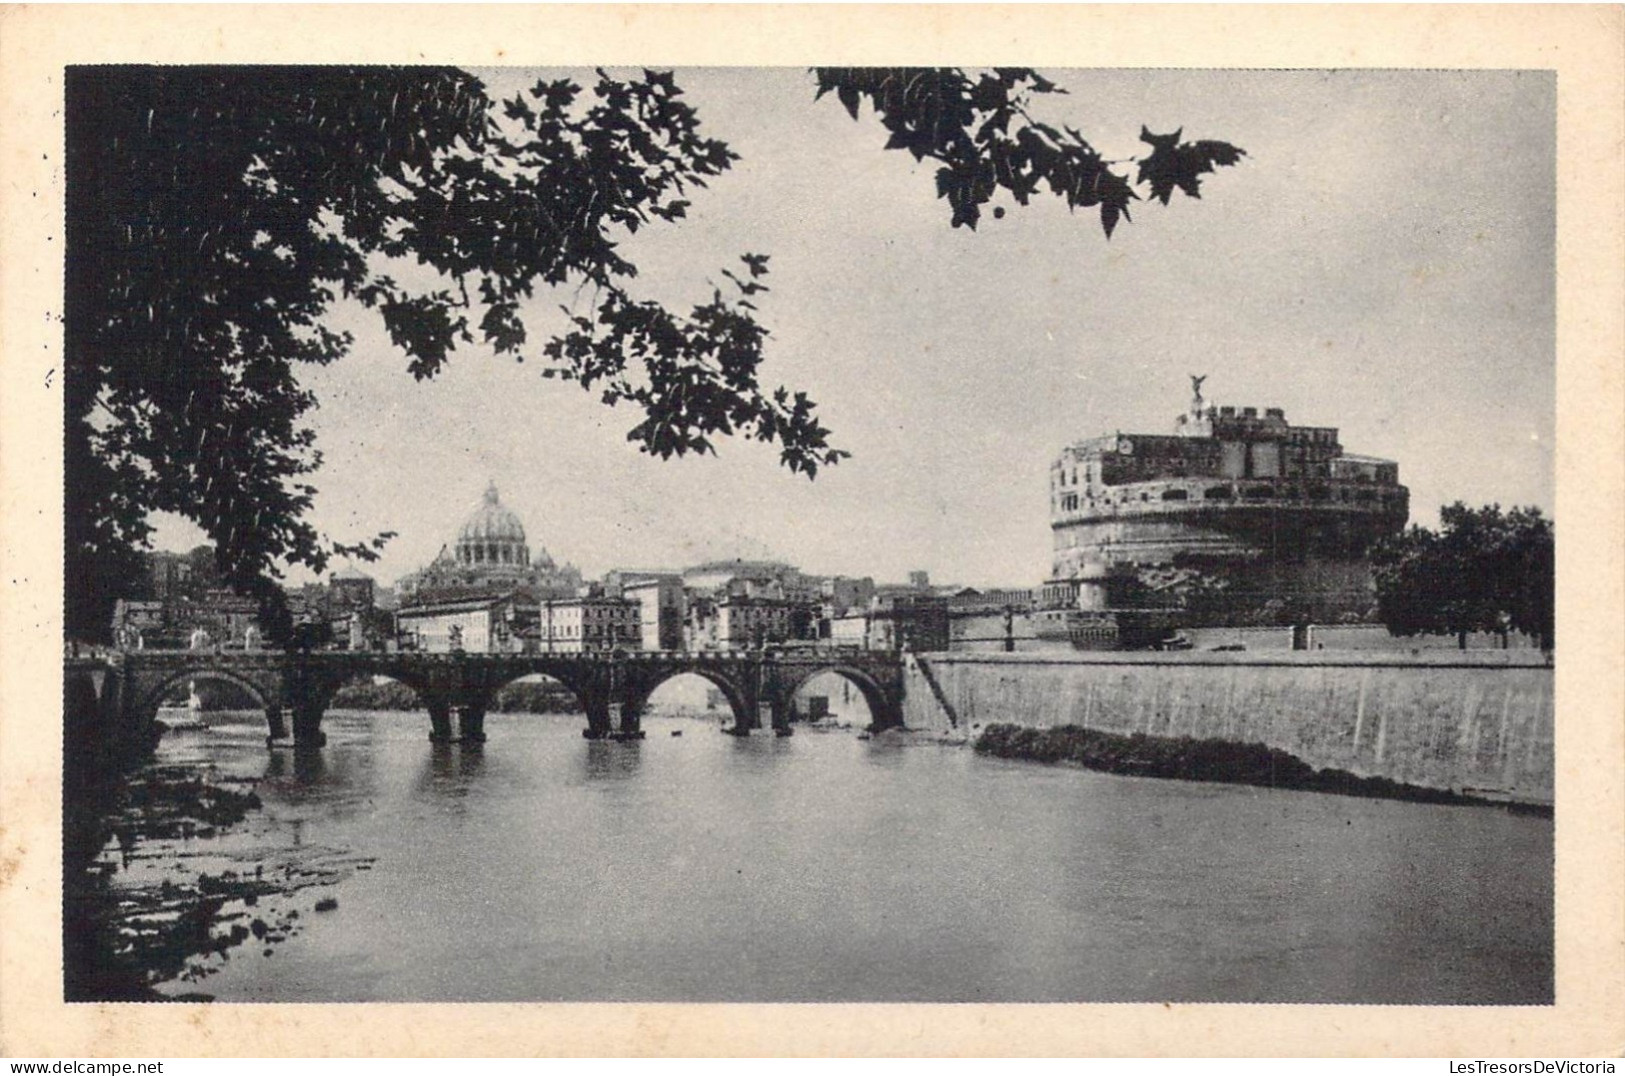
pixel 1474 722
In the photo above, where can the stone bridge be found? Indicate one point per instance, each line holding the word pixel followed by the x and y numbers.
pixel 125 690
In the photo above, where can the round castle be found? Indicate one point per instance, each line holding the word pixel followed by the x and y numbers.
pixel 1237 517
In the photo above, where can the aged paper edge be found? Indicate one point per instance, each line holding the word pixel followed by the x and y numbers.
pixel 1584 45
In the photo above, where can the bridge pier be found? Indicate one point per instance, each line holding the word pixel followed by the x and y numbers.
pixel 307 725
pixel 471 724
pixel 439 721
pixel 883 717
pixel 746 718
pixel 276 726
pixel 599 722
pixel 630 725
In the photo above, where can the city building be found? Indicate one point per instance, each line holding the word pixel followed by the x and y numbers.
pixel 490 555
pixel 182 597
pixel 851 629
pixel 843 594
pixel 661 606
pixel 753 579
pixel 895 616
pixel 699 621
pixel 1235 516
pixel 483 624
pixel 137 624
pixel 909 620
pixel 733 622
pixel 174 576
pixel 589 623
pixel 745 623
pixel 617 579
pixel 970 601
pixel 225 619
pixel 350 588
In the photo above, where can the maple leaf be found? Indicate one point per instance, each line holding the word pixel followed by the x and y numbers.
pixel 1172 164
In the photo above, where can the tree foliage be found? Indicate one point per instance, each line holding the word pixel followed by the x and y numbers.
pixel 981 131
pixel 215 215
pixel 1484 570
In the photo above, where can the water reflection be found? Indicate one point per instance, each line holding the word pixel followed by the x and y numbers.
pixel 456 765
pixel 885 752
pixel 611 760
pixel 309 765
pixel 762 743
pixel 340 779
pixel 449 773
pixel 306 765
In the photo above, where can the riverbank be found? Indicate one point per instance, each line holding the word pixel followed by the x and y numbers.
pixel 1187 759
pixel 1480 723
pixel 145 905
pixel 119 938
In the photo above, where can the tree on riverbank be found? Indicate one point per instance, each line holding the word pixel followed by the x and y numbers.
pixel 216 214
pixel 1483 570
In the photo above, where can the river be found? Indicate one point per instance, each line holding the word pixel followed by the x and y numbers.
pixel 822 867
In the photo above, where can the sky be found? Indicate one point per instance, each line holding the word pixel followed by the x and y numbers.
pixel 1381 261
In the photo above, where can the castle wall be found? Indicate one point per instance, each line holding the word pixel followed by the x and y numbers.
pixel 1476 721
pixel 1275 513
pixel 1267 558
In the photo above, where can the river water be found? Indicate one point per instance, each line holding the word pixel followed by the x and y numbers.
pixel 822 867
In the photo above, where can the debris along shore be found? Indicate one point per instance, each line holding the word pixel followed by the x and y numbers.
pixel 1188 759
pixel 163 885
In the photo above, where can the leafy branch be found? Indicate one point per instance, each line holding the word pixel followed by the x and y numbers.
pixel 985 139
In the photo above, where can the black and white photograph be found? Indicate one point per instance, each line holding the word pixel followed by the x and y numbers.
pixel 717 533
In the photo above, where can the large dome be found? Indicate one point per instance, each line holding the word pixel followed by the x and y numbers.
pixel 492 535
pixel 492 521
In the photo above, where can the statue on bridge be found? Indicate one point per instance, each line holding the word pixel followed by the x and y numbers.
pixel 128 637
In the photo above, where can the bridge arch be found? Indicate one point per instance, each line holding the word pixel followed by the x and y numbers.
pixel 267 700
pixel 884 711
pixel 561 675
pixel 329 688
pixel 580 689
pixel 745 716
pixel 455 701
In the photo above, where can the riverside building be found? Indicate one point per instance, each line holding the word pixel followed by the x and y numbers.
pixel 1235 517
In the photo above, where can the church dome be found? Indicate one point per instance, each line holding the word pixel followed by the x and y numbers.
pixel 492 521
pixel 492 535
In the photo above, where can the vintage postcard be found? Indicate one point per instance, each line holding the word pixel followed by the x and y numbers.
pixel 812 530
